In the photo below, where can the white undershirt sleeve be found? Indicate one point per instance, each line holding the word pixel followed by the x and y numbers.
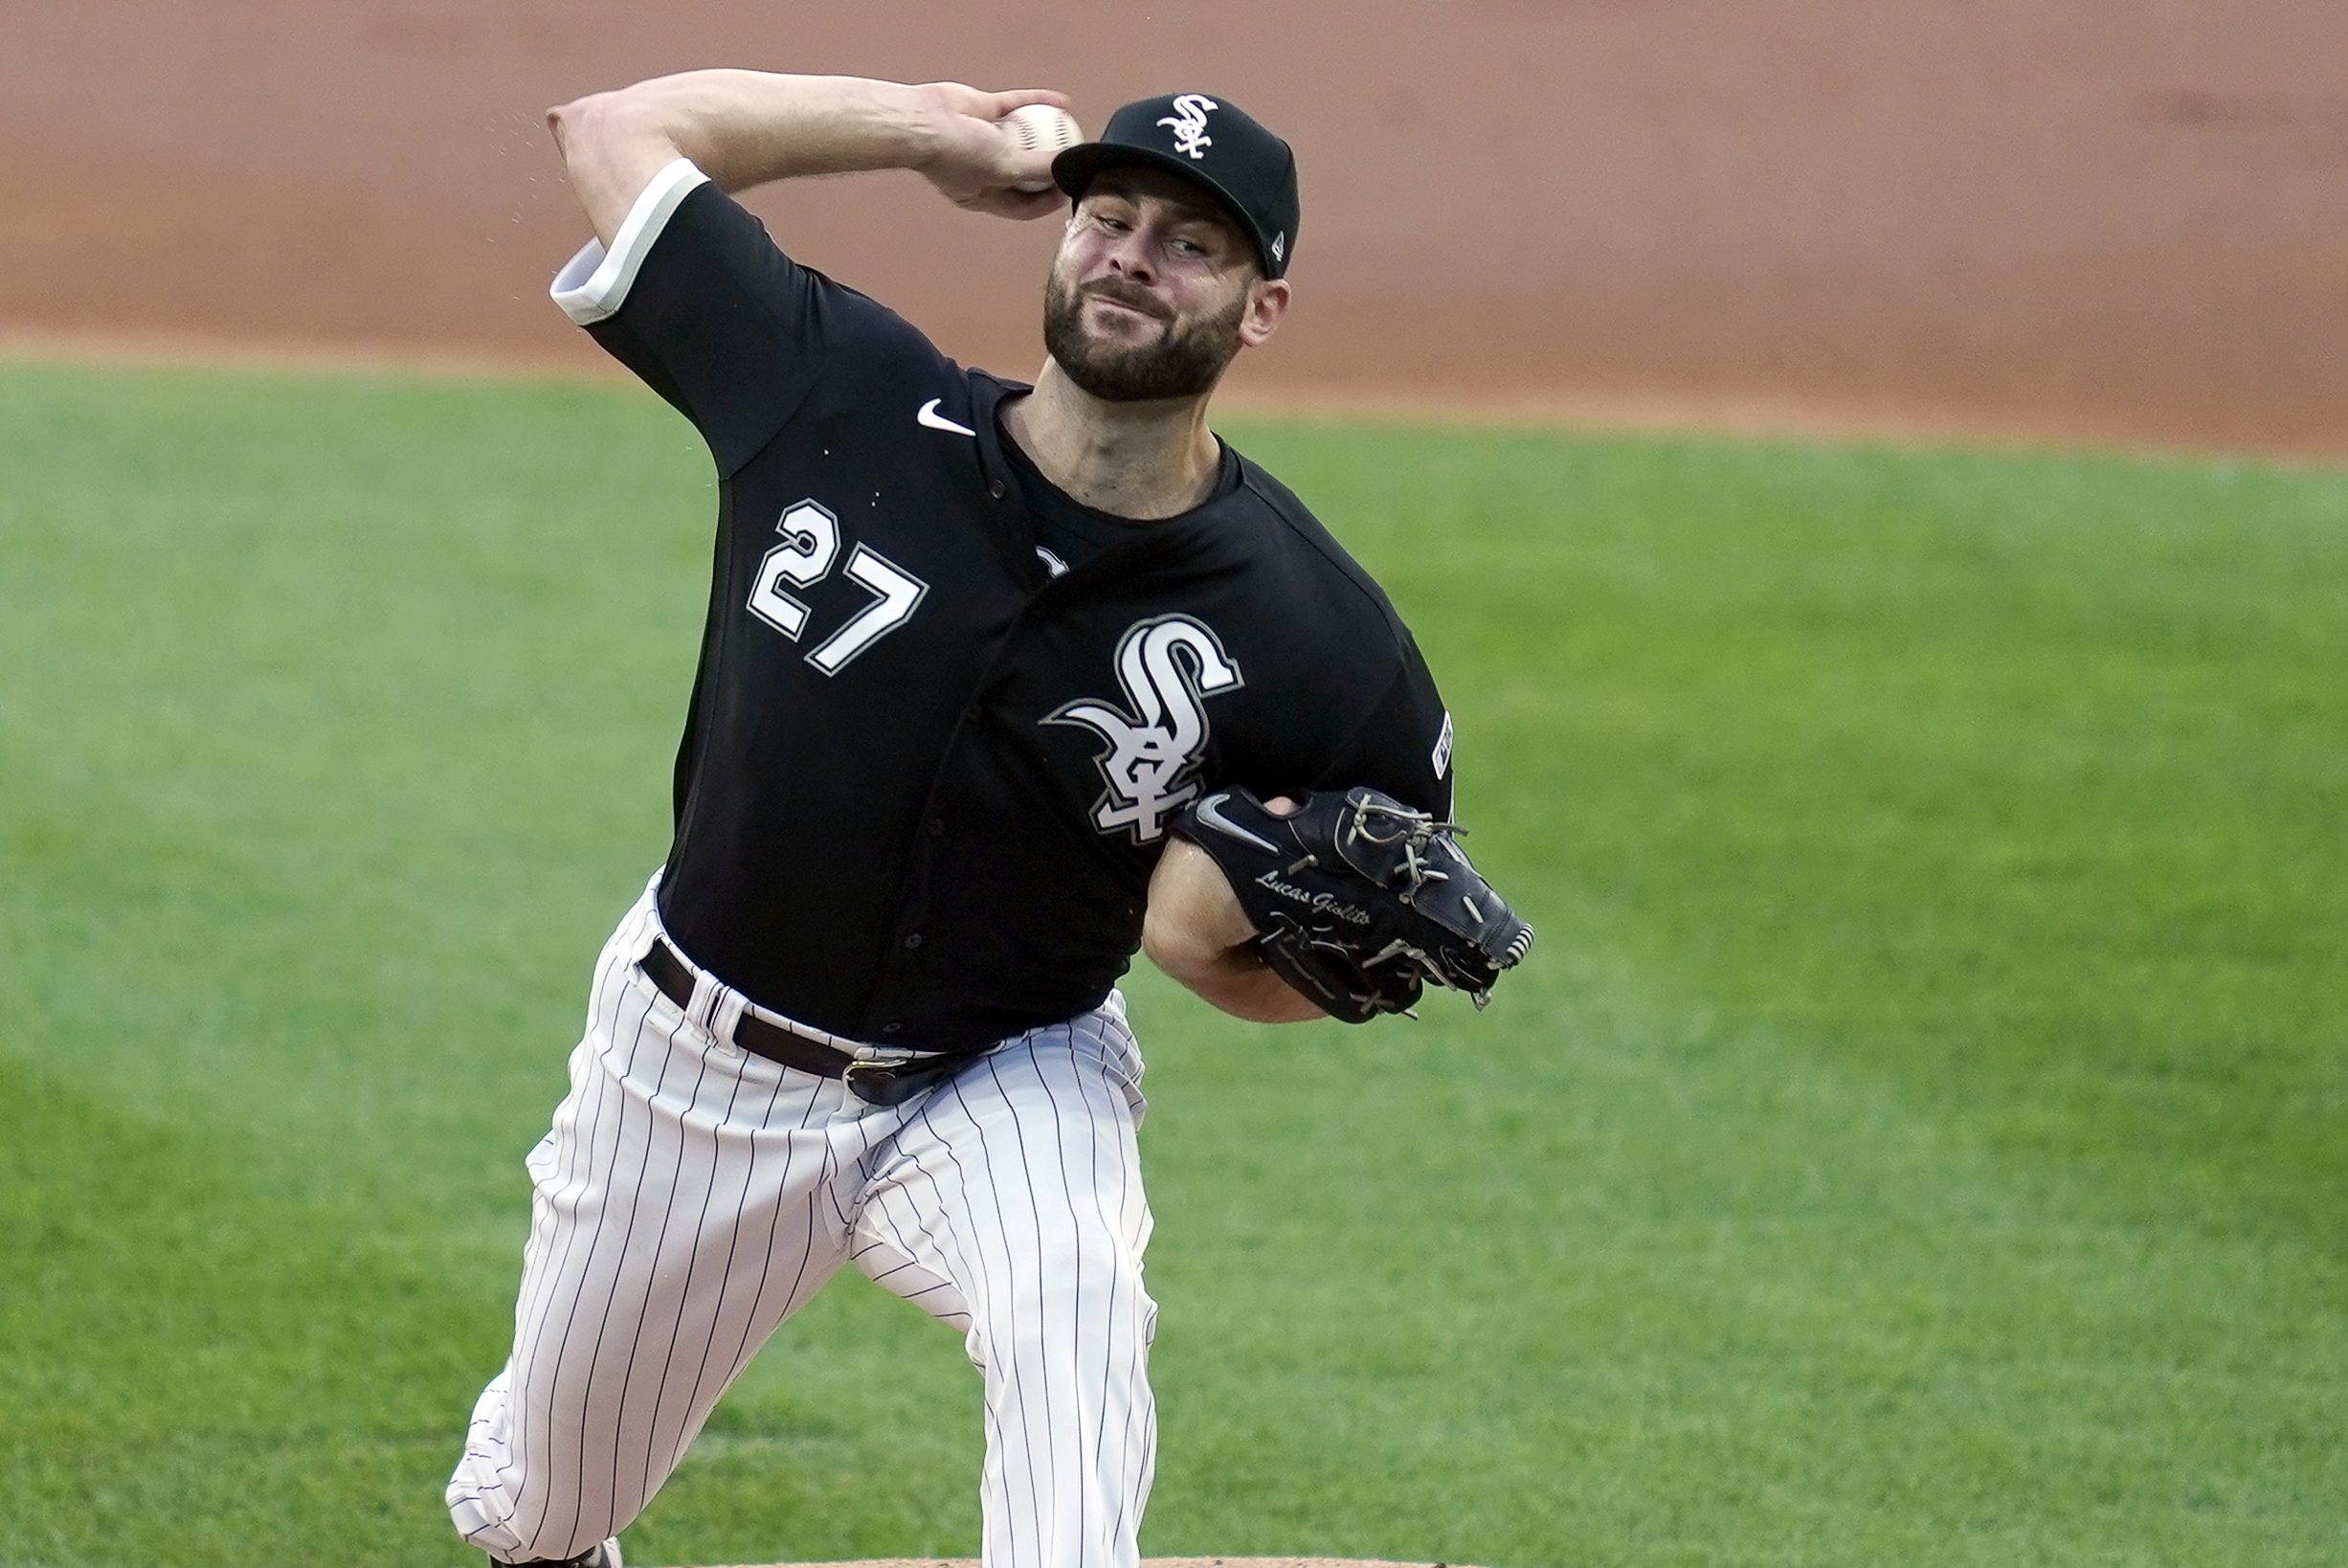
pixel 594 285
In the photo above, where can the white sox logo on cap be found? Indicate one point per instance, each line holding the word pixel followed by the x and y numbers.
pixel 1189 123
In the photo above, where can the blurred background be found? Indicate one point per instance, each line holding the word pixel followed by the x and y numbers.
pixel 2109 220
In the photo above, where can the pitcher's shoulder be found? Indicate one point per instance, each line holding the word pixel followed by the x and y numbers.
pixel 1293 530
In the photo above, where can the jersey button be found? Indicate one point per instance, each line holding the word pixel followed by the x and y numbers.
pixel 937 827
pixel 892 1026
pixel 995 489
pixel 913 941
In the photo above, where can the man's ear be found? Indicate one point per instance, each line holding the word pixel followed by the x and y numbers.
pixel 1267 305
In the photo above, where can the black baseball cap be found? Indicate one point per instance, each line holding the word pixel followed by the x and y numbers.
pixel 1214 143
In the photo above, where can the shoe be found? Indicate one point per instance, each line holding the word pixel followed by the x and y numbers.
pixel 606 1556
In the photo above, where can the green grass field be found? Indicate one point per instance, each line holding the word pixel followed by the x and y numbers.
pixel 1920 1136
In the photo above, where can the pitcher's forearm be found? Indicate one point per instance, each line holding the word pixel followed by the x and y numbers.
pixel 1238 982
pixel 1194 930
pixel 740 128
pixel 746 127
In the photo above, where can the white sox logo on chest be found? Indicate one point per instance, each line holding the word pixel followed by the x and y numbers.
pixel 1168 665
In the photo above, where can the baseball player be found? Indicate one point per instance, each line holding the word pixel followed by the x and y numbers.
pixel 971 647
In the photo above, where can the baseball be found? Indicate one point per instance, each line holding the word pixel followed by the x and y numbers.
pixel 1039 127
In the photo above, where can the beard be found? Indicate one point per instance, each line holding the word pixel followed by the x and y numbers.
pixel 1185 361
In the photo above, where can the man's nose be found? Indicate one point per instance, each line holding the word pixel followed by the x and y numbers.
pixel 1129 256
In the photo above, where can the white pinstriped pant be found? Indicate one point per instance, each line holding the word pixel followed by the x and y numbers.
pixel 691 1196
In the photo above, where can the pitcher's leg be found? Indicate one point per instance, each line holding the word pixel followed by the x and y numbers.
pixel 1012 1203
pixel 682 1211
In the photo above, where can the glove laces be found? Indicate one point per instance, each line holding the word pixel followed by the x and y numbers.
pixel 1409 831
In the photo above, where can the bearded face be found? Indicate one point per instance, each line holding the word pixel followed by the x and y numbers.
pixel 1183 357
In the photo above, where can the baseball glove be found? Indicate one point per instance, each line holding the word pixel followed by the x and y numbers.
pixel 1357 900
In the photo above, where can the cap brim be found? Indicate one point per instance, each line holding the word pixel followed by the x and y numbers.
pixel 1074 170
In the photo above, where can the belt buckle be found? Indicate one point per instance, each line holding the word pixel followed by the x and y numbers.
pixel 894 1082
pixel 875 1082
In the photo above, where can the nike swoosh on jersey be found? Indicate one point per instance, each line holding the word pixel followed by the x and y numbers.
pixel 930 417
pixel 1211 813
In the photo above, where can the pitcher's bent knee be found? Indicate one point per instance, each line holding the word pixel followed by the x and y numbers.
pixel 502 1504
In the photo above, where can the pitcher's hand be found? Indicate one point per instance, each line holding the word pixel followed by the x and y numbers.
pixel 976 163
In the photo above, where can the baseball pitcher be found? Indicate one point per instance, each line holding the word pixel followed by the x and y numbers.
pixel 999 683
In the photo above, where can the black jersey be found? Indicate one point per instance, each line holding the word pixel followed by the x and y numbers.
pixel 1069 531
pixel 928 770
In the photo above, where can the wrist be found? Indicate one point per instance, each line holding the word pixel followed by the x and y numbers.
pixel 926 114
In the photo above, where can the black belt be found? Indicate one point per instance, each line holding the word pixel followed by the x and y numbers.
pixel 880 1084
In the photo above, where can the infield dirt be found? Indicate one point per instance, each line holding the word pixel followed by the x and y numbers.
pixel 2102 221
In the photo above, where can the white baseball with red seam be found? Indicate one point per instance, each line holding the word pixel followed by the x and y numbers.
pixel 1042 127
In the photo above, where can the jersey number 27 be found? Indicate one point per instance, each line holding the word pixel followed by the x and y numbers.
pixel 811 544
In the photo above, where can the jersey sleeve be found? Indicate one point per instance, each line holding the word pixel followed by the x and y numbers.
pixel 1403 746
pixel 698 301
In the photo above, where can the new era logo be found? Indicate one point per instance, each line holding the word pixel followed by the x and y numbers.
pixel 1280 246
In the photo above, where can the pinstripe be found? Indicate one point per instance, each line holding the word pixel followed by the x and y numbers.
pixel 807 1250
pixel 895 1243
pixel 919 1223
pixel 997 1314
pixel 1002 1366
pixel 959 1278
pixel 693 1263
pixel 607 1147
pixel 1108 1339
pixel 1138 1404
pixel 859 1163
pixel 611 1094
pixel 588 1057
pixel 655 1254
pixel 579 1156
pixel 1104 1100
pixel 963 1277
pixel 902 1192
pixel 753 1335
pixel 1137 1343
pixel 652 1277
pixel 725 1277
pixel 563 1359
pixel 1121 1223
pixel 1026 1173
